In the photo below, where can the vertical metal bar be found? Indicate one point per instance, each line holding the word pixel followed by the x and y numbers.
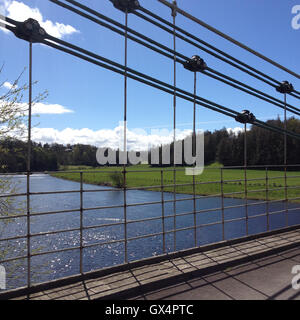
pixel 245 176
pixel 81 223
pixel 194 112
pixel 222 200
pixel 195 209
pixel 194 154
pixel 29 168
pixel 174 122
pixel 285 164
pixel 163 210
pixel 285 136
pixel 286 198
pixel 125 139
pixel 267 199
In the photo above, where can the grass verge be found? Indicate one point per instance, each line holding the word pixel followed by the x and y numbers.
pixel 208 183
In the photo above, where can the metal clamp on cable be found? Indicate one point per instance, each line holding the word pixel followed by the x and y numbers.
pixel 245 117
pixel 174 8
pixel 30 30
pixel 285 87
pixel 126 5
pixel 195 64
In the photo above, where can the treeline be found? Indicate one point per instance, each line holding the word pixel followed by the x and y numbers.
pixel 47 157
pixel 264 147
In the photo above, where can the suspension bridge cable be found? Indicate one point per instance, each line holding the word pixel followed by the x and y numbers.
pixel 194 146
pixel 208 51
pixel 125 137
pixel 129 30
pixel 188 34
pixel 285 162
pixel 174 129
pixel 174 52
pixel 250 88
pixel 271 127
pixel 227 37
pixel 170 24
pixel 28 173
pixel 162 88
pixel 245 179
pixel 226 112
pixel 156 83
pixel 86 52
pixel 293 109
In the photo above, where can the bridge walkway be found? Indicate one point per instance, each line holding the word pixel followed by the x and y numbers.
pixel 253 267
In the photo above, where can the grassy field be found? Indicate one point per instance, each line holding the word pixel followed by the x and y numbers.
pixel 208 183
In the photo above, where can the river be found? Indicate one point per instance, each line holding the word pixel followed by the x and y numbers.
pixel 52 266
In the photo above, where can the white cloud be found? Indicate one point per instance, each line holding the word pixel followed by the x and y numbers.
pixel 20 11
pixel 8 85
pixel 236 130
pixel 41 108
pixel 137 139
pixel 44 108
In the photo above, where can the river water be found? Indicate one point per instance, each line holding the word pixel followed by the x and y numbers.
pixel 52 266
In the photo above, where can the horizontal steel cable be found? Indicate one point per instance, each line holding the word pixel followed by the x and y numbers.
pixel 276 102
pixel 157 83
pixel 266 97
pixel 98 57
pixel 210 46
pixel 227 37
pixel 220 109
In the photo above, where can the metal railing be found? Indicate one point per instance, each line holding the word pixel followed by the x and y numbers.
pixel 181 191
pixel 194 192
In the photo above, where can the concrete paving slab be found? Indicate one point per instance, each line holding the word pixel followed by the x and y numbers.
pixel 236 289
pixel 292 254
pixel 271 280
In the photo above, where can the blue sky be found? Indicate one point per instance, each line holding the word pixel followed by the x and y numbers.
pixel 85 102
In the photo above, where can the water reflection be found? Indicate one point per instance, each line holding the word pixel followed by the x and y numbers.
pixel 109 222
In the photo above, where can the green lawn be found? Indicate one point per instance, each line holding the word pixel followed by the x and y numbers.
pixel 208 183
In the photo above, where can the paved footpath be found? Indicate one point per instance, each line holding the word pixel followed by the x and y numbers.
pixel 259 268
pixel 262 279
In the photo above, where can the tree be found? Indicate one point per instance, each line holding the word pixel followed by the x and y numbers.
pixel 12 108
pixel 13 113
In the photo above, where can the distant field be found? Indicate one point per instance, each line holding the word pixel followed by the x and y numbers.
pixel 208 183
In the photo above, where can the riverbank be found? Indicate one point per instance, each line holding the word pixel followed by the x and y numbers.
pixel 208 183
